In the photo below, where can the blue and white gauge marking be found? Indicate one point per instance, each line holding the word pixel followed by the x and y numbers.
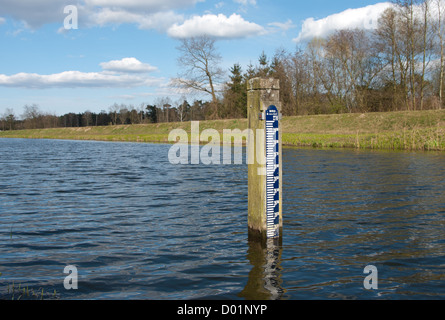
pixel 272 172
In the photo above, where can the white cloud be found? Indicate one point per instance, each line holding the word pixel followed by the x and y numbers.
pixel 161 15
pixel 282 25
pixel 143 5
pixel 219 5
pixel 2 20
pixel 123 97
pixel 117 73
pixel 127 65
pixel 245 2
pixel 362 18
pixel 148 14
pixel 160 21
pixel 35 13
pixel 219 26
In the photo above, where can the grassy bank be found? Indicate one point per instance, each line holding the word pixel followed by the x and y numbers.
pixel 408 130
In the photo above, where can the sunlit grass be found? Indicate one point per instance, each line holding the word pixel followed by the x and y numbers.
pixel 13 291
pixel 405 130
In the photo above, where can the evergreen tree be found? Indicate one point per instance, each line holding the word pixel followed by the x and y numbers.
pixel 264 68
pixel 152 113
pixel 235 97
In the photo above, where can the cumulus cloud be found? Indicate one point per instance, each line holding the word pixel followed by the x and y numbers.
pixel 2 20
pixel 362 18
pixel 148 14
pixel 35 13
pixel 160 21
pixel 127 72
pixel 161 15
pixel 282 25
pixel 143 5
pixel 219 26
pixel 127 65
pixel 245 2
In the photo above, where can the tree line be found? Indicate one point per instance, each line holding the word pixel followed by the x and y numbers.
pixel 117 114
pixel 399 65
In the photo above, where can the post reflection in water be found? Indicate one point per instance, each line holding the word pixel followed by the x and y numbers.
pixel 264 281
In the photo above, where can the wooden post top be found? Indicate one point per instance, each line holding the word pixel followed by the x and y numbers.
pixel 263 84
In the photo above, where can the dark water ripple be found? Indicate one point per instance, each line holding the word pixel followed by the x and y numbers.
pixel 137 227
pixel 351 209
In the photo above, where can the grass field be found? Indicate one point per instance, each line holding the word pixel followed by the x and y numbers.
pixel 404 130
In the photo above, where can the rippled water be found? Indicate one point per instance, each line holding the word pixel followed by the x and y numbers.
pixel 137 227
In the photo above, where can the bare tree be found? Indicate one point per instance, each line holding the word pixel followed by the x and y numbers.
pixel 163 105
pixel 123 114
pixel 182 108
pixel 315 56
pixel 32 116
pixel 387 42
pixel 114 109
pixel 439 30
pixel 141 112
pixel 87 118
pixel 410 28
pixel 323 71
pixel 357 64
pixel 199 60
pixel 8 119
pixel 426 45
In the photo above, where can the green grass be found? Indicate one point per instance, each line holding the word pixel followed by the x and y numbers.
pixel 405 130
pixel 409 130
pixel 13 291
pixel 19 292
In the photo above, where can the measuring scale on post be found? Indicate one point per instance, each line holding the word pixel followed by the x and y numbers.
pixel 272 172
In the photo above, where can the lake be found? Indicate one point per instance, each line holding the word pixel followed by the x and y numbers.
pixel 137 227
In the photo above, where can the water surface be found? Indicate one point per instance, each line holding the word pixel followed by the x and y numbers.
pixel 138 227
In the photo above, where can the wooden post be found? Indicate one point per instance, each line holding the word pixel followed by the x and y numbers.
pixel 262 94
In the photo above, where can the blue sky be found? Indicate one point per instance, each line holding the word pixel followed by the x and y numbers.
pixel 125 51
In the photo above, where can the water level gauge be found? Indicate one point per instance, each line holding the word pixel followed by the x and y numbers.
pixel 272 172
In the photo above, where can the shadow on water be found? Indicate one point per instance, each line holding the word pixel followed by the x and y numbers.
pixel 264 282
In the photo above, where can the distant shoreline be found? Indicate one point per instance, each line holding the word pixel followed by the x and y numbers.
pixel 400 130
